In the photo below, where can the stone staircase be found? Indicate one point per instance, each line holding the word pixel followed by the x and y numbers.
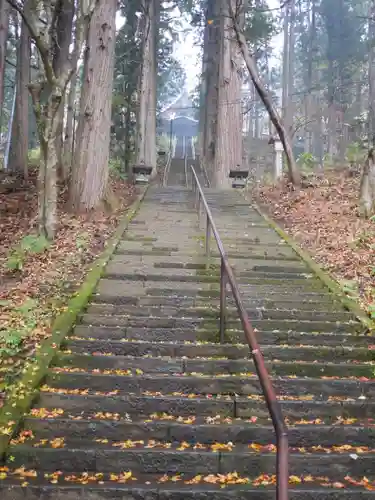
pixel 179 173
pixel 143 403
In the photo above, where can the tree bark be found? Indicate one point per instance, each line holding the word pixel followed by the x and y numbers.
pixel 291 48
pixel 91 155
pixel 4 24
pixel 309 79
pixel 208 119
pixel 367 187
pixel 371 75
pixel 65 14
pixel 69 129
pixel 18 161
pixel 285 68
pixel 203 87
pixel 45 114
pixel 146 123
pixel 228 151
pixel 293 172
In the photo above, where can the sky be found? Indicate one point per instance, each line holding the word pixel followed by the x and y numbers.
pixel 187 52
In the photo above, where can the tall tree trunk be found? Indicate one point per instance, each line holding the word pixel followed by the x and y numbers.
pixel 253 94
pixel 146 123
pixel 317 129
pixel 256 105
pixel 46 110
pixel 309 80
pixel 4 24
pixel 69 129
pixel 91 155
pixel 64 29
pixel 367 187
pixel 228 151
pixel 127 136
pixel 294 175
pixel 331 120
pixel 289 111
pixel 371 75
pixel 203 88
pixel 210 97
pixel 20 126
pixel 285 68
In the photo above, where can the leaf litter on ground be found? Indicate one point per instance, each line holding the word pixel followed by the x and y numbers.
pixel 324 219
pixel 37 279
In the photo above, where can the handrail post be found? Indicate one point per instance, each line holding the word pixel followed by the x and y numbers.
pixel 282 469
pixel 199 210
pixel 223 300
pixel 208 238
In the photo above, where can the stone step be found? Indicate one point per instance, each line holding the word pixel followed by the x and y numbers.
pixel 207 384
pixel 310 304
pixel 309 367
pixel 119 271
pixel 152 334
pixel 214 312
pixel 276 296
pixel 117 288
pixel 187 276
pixel 171 461
pixel 192 350
pixel 151 488
pixel 84 400
pixel 243 266
pixel 264 253
pixel 97 426
pixel 266 325
pixel 199 262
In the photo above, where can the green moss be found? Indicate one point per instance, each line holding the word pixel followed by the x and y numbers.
pixel 20 399
pixel 213 270
pixel 212 335
pixel 349 304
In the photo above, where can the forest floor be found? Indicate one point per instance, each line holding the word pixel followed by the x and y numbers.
pixel 36 284
pixel 324 219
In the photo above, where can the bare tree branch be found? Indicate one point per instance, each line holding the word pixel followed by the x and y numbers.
pixel 267 101
pixel 25 12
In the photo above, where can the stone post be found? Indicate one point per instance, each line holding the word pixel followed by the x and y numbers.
pixel 278 158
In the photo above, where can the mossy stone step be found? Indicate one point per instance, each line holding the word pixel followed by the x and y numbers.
pixel 178 335
pixel 186 276
pixel 107 294
pixel 266 325
pixel 237 265
pixel 188 302
pixel 214 312
pixel 140 271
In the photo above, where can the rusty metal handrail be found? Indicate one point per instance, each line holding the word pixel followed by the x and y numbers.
pixel 227 276
pixel 167 169
pixel 186 170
